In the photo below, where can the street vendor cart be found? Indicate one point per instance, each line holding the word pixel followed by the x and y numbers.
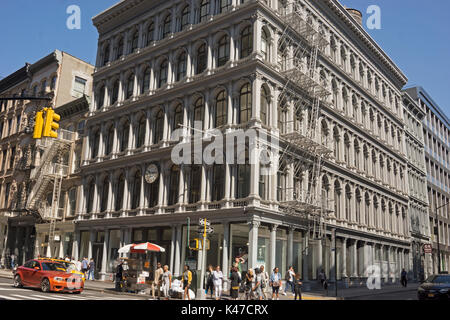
pixel 141 264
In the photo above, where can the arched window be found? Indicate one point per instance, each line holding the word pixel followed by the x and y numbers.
pixel 136 190
pixel 174 185
pixel 337 140
pixel 358 206
pixel 140 139
pixel 281 182
pixel 337 198
pixel 347 149
pixel 223 51
pixel 204 11
pixel 146 81
pixel 150 33
pixel 101 98
pixel 159 127
pixel 181 66
pixel 245 103
pixel 153 193
pixel 109 140
pixel 72 201
pixel 243 178
pixel 201 59
pixel 53 83
pixel 115 92
pixel 95 144
pixel 225 5
pixel 105 192
pixel 199 112
pixel 367 210
pixel 265 102
pixel 265 45
pixel 357 154
pixel 282 116
pixel 119 49
pixel 90 197
pixel 195 184
pixel 163 73
pixel 130 86
pixel 221 109
pixel 246 42
pixel 118 205
pixel 185 18
pixel 282 57
pixel 218 187
pixel 134 41
pixel 348 201
pixel 166 26
pixel 105 55
pixel 124 136
pixel 177 118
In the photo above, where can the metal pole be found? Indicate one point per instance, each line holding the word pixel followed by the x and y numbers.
pixel 202 273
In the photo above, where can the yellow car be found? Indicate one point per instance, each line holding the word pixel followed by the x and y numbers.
pixel 70 267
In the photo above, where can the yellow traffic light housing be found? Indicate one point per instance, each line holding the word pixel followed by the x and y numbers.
pixel 39 124
pixel 51 124
pixel 197 244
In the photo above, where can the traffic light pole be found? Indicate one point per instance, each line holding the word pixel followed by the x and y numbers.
pixel 201 291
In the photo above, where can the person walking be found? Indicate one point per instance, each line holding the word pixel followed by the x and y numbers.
pixel 157 280
pixel 218 282
pixel 264 281
pixel 119 272
pixel 257 287
pixel 404 278
pixel 297 287
pixel 235 281
pixel 187 280
pixel 290 274
pixel 13 261
pixel 249 277
pixel 91 270
pixel 166 282
pixel 209 281
pixel 84 266
pixel 275 283
pixel 323 280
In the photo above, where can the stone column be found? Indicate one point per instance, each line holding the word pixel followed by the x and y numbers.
pixel 177 257
pixel 253 243
pixel 273 245
pixel 344 258
pixel 305 254
pixel 355 259
pixel 290 246
pixel 172 247
pixel 225 245
pixel 91 241
pixel 105 256
pixel 75 246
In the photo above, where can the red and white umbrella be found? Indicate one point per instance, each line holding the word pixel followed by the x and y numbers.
pixel 141 248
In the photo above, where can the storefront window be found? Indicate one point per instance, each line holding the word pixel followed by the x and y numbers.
pixel 84 247
pixel 297 256
pixel 114 246
pixel 239 243
pixel 281 251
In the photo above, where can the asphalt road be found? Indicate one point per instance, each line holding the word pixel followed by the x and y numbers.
pixel 8 292
pixel 405 295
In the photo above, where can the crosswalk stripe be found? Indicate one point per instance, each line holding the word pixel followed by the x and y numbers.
pixel 9 298
pixel 25 297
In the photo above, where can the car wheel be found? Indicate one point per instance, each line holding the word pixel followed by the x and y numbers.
pixel 17 282
pixel 45 285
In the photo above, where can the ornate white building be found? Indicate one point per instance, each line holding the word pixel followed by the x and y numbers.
pixel 162 65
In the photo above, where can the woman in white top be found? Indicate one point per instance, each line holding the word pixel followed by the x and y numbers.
pixel 217 280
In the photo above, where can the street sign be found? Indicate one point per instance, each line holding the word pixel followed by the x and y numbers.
pixel 201 222
pixel 208 230
pixel 427 248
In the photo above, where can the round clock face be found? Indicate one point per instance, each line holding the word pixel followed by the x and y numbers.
pixel 151 174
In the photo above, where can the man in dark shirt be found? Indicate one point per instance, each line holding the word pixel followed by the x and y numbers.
pixel 119 271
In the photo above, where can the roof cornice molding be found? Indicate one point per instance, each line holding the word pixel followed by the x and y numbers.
pixel 114 11
pixel 342 13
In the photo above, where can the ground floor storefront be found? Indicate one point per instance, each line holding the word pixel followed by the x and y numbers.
pixel 260 239
pixel 62 242
pixel 20 239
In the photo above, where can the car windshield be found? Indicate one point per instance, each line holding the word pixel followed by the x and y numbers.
pixel 439 279
pixel 51 266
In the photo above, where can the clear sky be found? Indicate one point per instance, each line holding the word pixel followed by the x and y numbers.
pixel 414 33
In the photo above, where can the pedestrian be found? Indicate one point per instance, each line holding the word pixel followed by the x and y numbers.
pixel 297 287
pixel 218 282
pixel 166 282
pixel 13 260
pixel 249 278
pixel 238 264
pixel 264 281
pixel 91 270
pixel 119 271
pixel 67 259
pixel 323 279
pixel 84 266
pixel 235 281
pixel 275 283
pixel 187 280
pixel 257 287
pixel 404 278
pixel 209 281
pixel 290 274
pixel 157 280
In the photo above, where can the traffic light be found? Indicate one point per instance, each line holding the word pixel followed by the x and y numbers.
pixel 197 244
pixel 51 124
pixel 38 125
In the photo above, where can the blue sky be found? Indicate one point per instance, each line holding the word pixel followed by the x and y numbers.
pixel 414 33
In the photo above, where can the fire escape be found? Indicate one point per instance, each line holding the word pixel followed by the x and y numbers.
pixel 300 45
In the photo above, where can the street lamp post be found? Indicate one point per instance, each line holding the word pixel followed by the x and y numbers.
pixel 437 234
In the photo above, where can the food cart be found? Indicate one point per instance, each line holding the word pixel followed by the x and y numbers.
pixel 141 264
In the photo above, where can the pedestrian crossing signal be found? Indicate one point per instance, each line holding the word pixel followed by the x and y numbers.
pixel 51 124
